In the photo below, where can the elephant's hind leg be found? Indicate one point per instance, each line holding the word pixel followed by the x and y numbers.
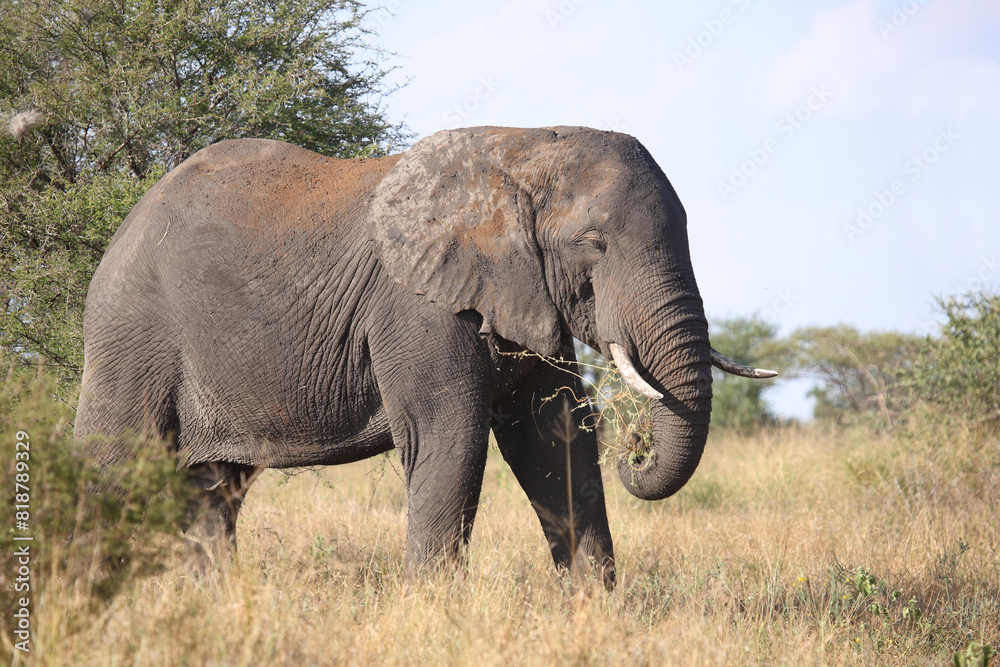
pixel 218 490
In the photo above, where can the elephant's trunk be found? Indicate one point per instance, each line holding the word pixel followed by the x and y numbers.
pixel 679 366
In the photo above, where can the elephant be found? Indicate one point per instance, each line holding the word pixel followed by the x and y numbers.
pixel 264 306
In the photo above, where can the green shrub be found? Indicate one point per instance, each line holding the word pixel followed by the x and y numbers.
pixel 959 373
pixel 52 241
pixel 85 544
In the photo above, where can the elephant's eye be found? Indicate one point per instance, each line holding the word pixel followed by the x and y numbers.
pixel 592 238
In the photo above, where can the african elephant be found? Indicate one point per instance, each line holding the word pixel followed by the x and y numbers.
pixel 264 306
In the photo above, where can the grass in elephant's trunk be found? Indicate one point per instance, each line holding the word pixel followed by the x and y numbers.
pixel 802 544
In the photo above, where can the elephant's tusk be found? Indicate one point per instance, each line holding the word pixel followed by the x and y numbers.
pixel 630 374
pixel 731 366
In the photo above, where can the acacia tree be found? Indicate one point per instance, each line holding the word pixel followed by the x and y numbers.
pixel 858 371
pixel 101 97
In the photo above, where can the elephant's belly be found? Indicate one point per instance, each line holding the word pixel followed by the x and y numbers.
pixel 308 443
pixel 276 415
pixel 331 446
pixel 375 438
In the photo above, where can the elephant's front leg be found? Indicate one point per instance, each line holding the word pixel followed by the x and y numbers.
pixel 436 398
pixel 542 437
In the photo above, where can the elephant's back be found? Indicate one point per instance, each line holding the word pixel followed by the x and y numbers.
pixel 258 187
pixel 234 210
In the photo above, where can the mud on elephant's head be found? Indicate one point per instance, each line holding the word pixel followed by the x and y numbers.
pixel 558 232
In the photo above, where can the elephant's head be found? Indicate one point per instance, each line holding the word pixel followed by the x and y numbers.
pixel 552 233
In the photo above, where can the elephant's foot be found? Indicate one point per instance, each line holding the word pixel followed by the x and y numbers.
pixel 210 532
pixel 590 561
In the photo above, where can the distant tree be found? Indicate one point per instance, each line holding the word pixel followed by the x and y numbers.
pixel 958 373
pixel 101 98
pixel 739 403
pixel 858 372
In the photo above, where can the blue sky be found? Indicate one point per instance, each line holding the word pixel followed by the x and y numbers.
pixel 838 160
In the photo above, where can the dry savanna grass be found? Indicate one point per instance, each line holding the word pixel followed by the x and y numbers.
pixel 797 545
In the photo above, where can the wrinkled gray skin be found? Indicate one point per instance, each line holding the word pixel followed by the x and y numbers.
pixel 266 307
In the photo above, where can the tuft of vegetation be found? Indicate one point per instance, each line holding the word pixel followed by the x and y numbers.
pixel 623 422
pixel 84 546
pixel 957 373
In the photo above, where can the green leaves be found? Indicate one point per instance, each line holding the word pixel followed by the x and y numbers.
pixel 877 377
pixel 88 543
pixel 959 372
pixel 149 82
pixel 52 244
pixel 976 655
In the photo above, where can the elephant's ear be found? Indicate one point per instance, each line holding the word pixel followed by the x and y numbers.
pixel 455 227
